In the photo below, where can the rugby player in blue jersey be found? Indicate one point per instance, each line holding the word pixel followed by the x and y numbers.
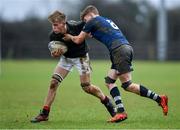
pixel 121 54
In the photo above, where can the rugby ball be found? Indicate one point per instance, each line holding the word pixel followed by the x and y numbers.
pixel 54 46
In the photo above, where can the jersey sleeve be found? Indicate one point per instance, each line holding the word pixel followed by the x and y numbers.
pixel 88 27
pixel 81 25
pixel 75 26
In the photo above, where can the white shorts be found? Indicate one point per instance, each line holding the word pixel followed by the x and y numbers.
pixel 81 63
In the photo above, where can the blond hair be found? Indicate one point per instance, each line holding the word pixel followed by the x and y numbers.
pixel 89 9
pixel 56 16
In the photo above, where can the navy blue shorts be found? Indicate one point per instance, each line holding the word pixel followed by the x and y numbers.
pixel 121 59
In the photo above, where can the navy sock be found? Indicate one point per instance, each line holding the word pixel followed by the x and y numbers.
pixel 149 94
pixel 117 98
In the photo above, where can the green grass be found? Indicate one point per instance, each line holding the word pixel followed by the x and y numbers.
pixel 24 85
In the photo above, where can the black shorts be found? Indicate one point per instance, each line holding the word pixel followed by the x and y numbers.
pixel 121 59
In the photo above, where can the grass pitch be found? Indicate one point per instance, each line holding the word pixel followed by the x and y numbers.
pixel 24 85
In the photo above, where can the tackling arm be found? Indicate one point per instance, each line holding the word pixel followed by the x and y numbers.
pixel 76 39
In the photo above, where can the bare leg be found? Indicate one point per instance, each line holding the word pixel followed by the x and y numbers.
pixel 162 100
pixel 54 85
pixel 96 91
pixel 58 75
pixel 90 88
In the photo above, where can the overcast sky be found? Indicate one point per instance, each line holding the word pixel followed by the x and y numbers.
pixel 18 9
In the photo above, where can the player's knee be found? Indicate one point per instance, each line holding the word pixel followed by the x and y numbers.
pixel 86 87
pixel 109 81
pixel 56 80
pixel 125 85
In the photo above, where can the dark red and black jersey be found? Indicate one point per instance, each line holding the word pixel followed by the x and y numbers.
pixel 74 50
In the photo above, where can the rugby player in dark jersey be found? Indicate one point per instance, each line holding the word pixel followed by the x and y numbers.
pixel 121 54
pixel 77 55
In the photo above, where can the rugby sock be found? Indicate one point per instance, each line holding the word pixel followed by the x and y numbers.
pixel 46 110
pixel 117 98
pixel 109 106
pixel 148 93
pixel 105 100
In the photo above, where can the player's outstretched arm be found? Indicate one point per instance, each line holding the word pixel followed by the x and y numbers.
pixel 76 39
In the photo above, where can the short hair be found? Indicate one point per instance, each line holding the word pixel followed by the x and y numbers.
pixel 56 16
pixel 88 9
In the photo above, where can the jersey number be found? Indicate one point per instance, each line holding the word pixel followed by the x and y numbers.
pixel 112 24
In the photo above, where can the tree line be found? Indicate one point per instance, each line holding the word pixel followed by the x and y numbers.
pixel 138 21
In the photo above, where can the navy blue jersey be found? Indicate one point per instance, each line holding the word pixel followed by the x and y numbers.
pixel 105 31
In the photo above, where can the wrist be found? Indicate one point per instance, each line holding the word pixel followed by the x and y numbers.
pixel 71 37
